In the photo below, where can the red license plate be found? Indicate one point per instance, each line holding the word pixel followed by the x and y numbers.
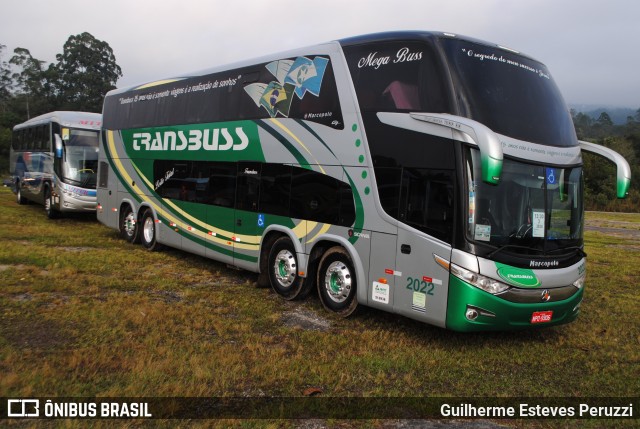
pixel 541 316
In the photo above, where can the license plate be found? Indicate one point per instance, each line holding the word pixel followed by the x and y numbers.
pixel 541 316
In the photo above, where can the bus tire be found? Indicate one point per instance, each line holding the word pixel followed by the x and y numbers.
pixel 19 198
pixel 337 282
pixel 128 225
pixel 49 208
pixel 283 269
pixel 148 233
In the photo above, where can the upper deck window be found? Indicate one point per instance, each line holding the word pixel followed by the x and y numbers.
pixel 397 76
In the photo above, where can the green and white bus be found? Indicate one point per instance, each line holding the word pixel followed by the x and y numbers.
pixel 54 161
pixel 426 174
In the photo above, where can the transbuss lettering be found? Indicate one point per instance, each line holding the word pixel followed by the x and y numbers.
pixel 214 139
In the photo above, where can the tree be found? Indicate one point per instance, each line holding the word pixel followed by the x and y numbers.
pixel 604 119
pixel 5 98
pixel 85 72
pixel 601 127
pixel 79 80
pixel 6 82
pixel 582 123
pixel 28 83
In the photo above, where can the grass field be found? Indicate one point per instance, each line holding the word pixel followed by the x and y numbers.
pixel 86 314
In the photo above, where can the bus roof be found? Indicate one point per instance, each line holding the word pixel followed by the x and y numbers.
pixel 86 120
pixel 223 67
pixel 421 35
pixel 367 38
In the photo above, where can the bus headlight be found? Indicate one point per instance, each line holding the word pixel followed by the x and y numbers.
pixel 580 282
pixel 70 193
pixel 485 283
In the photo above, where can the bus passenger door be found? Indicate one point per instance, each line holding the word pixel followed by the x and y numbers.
pixel 249 224
pixel 426 212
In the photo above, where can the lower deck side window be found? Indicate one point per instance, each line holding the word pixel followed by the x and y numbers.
pixel 276 189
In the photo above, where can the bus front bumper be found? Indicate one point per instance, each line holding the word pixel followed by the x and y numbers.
pixel 472 309
pixel 69 203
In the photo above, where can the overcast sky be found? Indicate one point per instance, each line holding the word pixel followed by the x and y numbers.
pixel 590 46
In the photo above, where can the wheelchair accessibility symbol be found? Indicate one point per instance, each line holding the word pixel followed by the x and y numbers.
pixel 260 221
pixel 551 176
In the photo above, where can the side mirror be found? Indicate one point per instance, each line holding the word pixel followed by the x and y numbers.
pixel 622 166
pixel 488 142
pixel 458 128
pixel 59 147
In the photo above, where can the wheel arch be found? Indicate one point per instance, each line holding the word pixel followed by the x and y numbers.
pixel 48 193
pixel 128 202
pixel 327 241
pixel 48 183
pixel 271 234
pixel 144 207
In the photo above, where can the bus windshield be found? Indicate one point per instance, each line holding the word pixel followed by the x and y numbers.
pixel 511 94
pixel 535 209
pixel 81 158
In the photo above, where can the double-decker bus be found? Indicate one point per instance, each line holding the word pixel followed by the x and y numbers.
pixel 425 174
pixel 54 161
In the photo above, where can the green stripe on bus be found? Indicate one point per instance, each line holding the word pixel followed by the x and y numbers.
pixel 310 130
pixel 118 175
pixel 287 144
pixel 359 222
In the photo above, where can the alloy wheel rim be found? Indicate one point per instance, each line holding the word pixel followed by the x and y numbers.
pixel 148 230
pixel 285 268
pixel 129 224
pixel 338 282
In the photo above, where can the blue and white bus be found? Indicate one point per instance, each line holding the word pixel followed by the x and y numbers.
pixel 54 161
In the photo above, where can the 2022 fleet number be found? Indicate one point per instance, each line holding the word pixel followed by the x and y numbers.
pixel 418 285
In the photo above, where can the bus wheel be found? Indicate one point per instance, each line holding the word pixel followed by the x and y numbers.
pixel 148 237
pixel 337 282
pixel 52 213
pixel 128 225
pixel 283 269
pixel 19 198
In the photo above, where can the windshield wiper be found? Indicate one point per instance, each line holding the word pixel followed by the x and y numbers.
pixel 576 248
pixel 67 180
pixel 512 246
pixel 88 182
